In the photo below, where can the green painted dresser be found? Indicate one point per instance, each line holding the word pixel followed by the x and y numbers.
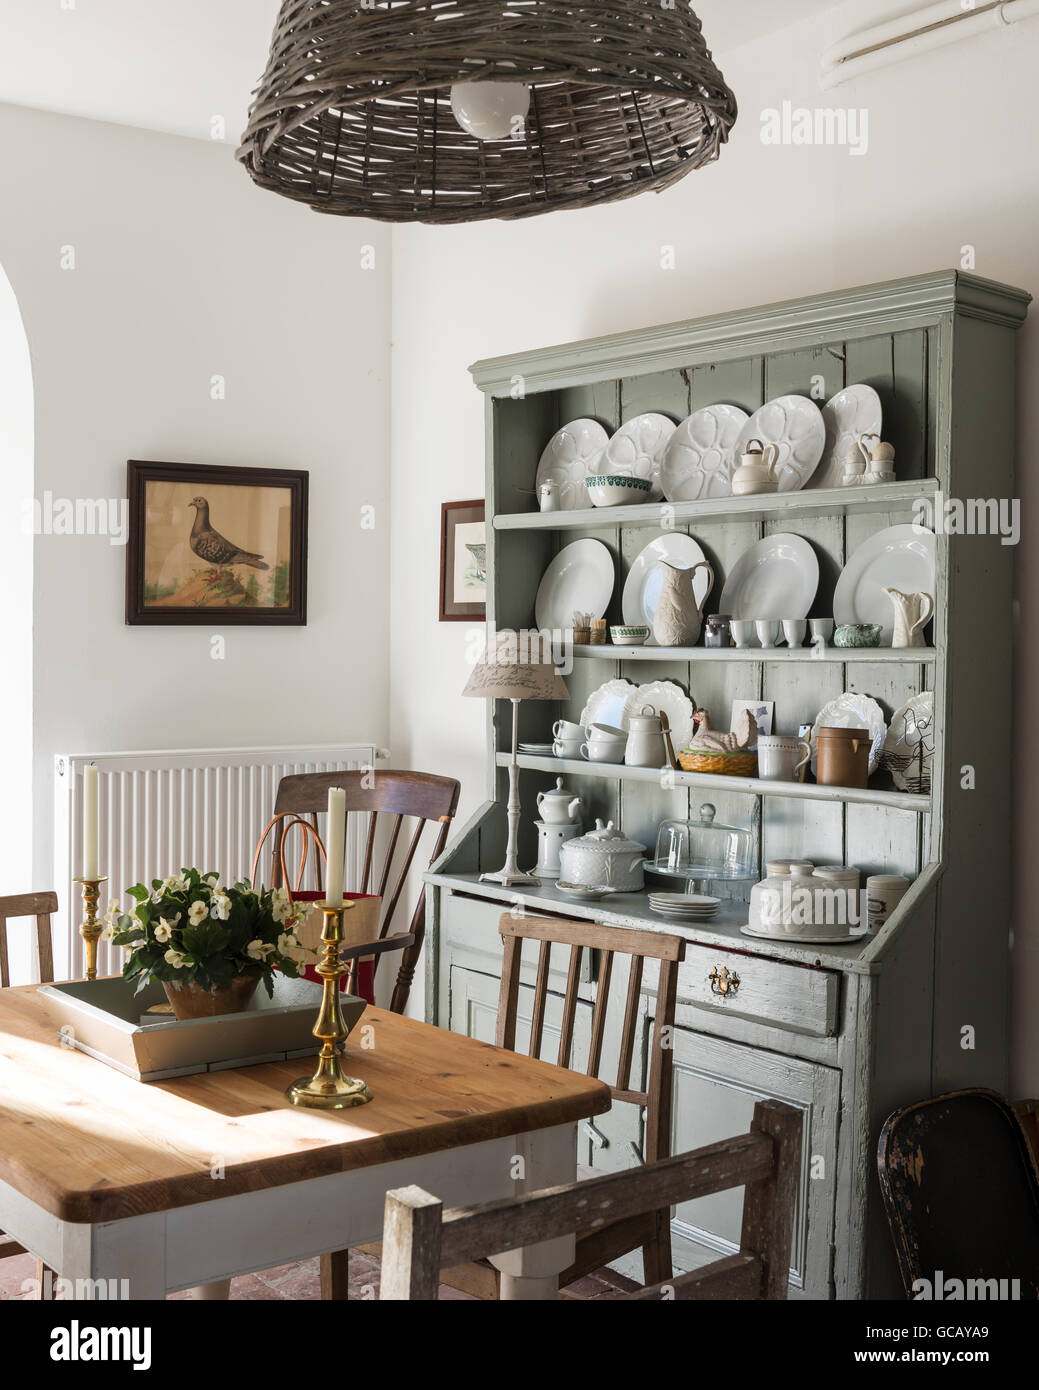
pixel 847 1032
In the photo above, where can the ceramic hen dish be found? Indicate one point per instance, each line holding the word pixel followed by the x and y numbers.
pixel 795 425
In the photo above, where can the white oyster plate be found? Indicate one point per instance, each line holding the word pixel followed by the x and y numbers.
pixel 899 557
pixel 776 578
pixel 700 458
pixel 795 425
pixel 569 457
pixel 853 412
pixel 637 451
pixel 607 705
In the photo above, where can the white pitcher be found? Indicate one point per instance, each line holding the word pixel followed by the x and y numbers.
pixel 677 619
pixel 912 614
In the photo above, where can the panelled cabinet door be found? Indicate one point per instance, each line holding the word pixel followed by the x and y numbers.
pixel 716 1086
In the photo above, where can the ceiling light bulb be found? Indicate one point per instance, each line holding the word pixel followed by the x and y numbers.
pixel 491 110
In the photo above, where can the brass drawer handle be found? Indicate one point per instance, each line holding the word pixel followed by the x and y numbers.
pixel 722 982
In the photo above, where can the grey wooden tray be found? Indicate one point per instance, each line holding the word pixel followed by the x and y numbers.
pixel 105 1019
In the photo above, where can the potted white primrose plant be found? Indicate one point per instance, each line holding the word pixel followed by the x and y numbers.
pixel 208 945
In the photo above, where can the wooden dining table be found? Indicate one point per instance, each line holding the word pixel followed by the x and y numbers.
pixel 174 1184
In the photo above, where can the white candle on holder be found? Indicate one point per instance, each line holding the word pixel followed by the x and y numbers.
pixel 90 794
pixel 336 846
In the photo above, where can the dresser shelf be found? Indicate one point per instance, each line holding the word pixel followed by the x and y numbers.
pixel 912 656
pixel 751 786
pixel 775 506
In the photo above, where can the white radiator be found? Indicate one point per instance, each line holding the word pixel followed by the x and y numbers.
pixel 163 811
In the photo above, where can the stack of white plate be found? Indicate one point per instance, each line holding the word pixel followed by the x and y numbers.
pixel 687 907
pixel 539 750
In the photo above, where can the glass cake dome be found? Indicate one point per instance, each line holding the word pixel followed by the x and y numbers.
pixel 704 849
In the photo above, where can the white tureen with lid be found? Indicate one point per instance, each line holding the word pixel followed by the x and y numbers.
pixel 603 858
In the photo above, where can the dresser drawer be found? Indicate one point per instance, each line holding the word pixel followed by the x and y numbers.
pixel 794 997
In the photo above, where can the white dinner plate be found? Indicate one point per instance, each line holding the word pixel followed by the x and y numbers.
pixel 776 578
pixel 900 557
pixel 606 705
pixel 700 457
pixel 909 747
pixel 637 451
pixel 852 711
pixel 644 582
pixel 663 697
pixel 569 457
pixel 853 412
pixel 579 579
pixel 795 425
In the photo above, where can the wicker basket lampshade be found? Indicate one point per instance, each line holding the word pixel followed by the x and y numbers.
pixel 354 112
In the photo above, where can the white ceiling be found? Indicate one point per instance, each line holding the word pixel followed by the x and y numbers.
pixel 173 65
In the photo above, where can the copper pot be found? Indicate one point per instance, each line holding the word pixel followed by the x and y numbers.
pixel 192 1001
pixel 842 757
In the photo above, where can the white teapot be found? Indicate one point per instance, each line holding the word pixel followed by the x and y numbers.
pixel 559 807
pixel 758 470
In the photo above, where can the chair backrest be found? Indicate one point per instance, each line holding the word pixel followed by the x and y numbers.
pixel 40 906
pixel 420 1238
pixel 641 946
pixel 962 1197
pixel 397 795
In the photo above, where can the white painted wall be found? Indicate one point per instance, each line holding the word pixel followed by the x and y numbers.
pixel 951 161
pixel 185 270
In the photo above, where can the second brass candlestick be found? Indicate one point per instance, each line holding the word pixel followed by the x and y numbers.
pixel 329 1088
pixel 91 928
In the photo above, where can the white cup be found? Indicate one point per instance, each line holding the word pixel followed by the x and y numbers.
pixel 781 756
pixel 883 894
pixel 564 731
pixel 603 751
pixel 605 733
pixel 567 748
pixel 794 631
pixel 821 630
pixel 768 631
pixel 742 630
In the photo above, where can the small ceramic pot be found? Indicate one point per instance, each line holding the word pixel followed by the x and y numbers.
pixel 857 635
pixel 842 757
pixel 757 471
pixel 559 806
pixel 192 1001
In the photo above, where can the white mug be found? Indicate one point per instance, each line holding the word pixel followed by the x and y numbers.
pixel 567 748
pixel 566 732
pixel 742 630
pixel 781 756
pixel 768 631
pixel 794 631
pixel 605 733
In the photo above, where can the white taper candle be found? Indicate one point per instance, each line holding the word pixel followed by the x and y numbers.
pixel 90 793
pixel 336 846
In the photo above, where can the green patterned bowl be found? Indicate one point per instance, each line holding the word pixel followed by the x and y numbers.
pixel 857 635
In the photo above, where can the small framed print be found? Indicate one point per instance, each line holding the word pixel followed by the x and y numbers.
pixel 463 562
pixel 762 712
pixel 209 544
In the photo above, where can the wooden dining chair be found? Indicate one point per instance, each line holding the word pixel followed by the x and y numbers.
pixel 41 906
pixel 649 1229
pixel 399 797
pixel 961 1192
pixel 420 1238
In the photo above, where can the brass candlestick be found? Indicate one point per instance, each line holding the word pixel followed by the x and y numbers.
pixel 91 929
pixel 328 1088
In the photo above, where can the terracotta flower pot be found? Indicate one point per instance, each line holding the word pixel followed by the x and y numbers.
pixel 192 1001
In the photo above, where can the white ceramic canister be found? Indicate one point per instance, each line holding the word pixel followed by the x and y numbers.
pixel 645 746
pixel 883 894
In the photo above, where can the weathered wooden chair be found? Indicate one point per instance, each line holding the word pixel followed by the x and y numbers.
pixel 961 1192
pixel 649 1229
pixel 419 1237
pixel 398 796
pixel 41 906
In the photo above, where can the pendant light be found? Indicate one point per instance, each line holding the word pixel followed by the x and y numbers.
pixel 456 110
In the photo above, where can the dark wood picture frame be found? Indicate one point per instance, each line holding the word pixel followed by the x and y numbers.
pixel 139 474
pixel 452 515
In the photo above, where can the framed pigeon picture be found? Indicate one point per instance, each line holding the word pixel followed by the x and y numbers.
pixel 210 544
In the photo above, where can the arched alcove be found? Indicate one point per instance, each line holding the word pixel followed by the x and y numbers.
pixel 16 571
